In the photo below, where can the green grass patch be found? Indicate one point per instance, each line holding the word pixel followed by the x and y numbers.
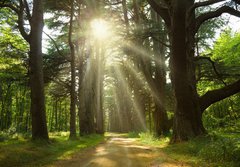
pixel 219 150
pixel 149 139
pixel 24 152
pixel 133 135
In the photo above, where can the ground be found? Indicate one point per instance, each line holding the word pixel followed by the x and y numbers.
pixel 119 151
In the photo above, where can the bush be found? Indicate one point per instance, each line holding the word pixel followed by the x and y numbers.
pixel 149 138
pixel 133 134
pixel 222 149
pixel 3 137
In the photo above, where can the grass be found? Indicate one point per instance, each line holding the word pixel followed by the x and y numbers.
pixel 24 152
pixel 208 151
pixel 214 150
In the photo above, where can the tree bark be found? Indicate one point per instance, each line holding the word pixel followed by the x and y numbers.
pixel 39 125
pixel 139 119
pixel 86 113
pixel 73 77
pixel 99 87
pixel 160 117
pixel 187 121
pixel 219 94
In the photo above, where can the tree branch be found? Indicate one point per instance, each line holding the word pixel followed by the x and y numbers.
pixel 204 3
pixel 19 13
pixel 20 22
pixel 224 9
pixel 27 10
pixel 54 43
pixel 214 67
pixel 162 11
pixel 219 94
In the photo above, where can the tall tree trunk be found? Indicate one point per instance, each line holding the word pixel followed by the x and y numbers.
pixel 65 116
pixel 51 122
pixel 160 115
pixel 39 125
pixel 21 108
pixel 139 119
pixel 99 87
pixel 9 109
pixel 4 107
pixel 56 114
pixel 73 77
pixel 28 113
pixel 187 121
pixel 150 113
pixel 86 114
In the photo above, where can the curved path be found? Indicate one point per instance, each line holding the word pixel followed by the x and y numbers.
pixel 118 152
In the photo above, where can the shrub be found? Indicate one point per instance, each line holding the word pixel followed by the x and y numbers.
pixel 222 149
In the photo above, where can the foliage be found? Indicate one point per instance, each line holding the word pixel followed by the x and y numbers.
pixel 13 75
pixel 150 139
pixel 207 33
pixel 224 115
pixel 223 149
pixel 217 149
pixel 8 18
pixel 13 55
pixel 133 135
pixel 227 48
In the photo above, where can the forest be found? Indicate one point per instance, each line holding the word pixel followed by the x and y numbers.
pixel 83 74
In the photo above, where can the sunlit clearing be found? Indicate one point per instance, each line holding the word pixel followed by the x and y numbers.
pixel 100 29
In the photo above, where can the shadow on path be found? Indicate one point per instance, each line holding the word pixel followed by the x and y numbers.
pixel 118 151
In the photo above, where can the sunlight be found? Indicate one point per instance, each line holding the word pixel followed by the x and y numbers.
pixel 100 29
pixel 136 104
pixel 142 81
pixel 143 53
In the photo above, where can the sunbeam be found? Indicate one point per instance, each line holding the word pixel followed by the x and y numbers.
pixel 135 103
pixel 149 87
pixel 143 53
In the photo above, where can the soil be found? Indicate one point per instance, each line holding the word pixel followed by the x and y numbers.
pixel 119 151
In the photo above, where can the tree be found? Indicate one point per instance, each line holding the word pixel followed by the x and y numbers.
pixel 159 83
pixel 179 17
pixel 73 76
pixel 34 38
pixel 13 71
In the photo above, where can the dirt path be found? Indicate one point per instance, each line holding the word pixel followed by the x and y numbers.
pixel 119 152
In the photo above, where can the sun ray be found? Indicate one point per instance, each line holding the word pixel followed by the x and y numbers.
pixel 143 52
pixel 136 104
pixel 142 81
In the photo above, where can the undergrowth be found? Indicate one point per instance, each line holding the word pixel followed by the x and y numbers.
pixel 213 150
pixel 21 151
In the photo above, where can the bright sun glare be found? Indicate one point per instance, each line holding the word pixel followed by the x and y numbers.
pixel 100 29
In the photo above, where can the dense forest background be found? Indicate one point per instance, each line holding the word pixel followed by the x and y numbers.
pixel 167 67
